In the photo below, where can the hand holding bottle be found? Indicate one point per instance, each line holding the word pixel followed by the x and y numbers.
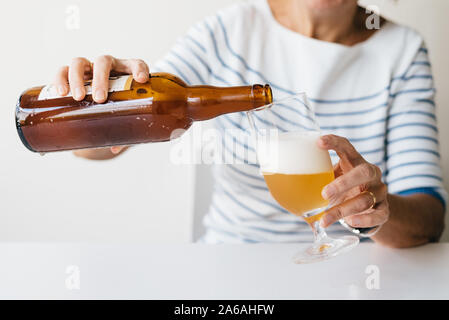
pixel 71 78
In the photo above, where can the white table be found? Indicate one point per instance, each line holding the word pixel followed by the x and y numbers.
pixel 262 271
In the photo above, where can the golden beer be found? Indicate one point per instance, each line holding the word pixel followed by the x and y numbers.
pixel 159 110
pixel 299 193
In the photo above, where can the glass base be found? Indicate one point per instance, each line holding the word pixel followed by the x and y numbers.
pixel 326 248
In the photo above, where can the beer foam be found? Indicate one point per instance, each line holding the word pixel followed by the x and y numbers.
pixel 292 153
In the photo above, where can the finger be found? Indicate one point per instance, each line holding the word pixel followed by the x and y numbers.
pixel 88 73
pixel 358 204
pixel 362 175
pixel 100 78
pixel 61 81
pixel 371 219
pixel 76 77
pixel 337 170
pixel 344 149
pixel 137 67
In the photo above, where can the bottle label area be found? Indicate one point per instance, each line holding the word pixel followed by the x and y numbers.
pixel 120 83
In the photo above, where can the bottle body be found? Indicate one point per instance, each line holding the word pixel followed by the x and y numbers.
pixel 159 110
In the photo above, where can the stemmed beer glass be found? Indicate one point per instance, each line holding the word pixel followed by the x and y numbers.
pixel 296 169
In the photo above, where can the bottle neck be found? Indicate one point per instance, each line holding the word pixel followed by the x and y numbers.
pixel 207 102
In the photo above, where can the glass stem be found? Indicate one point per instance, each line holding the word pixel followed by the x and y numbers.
pixel 319 233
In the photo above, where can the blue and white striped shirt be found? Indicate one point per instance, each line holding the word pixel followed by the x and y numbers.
pixel 379 94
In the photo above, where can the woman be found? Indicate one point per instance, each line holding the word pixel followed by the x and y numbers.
pixel 373 95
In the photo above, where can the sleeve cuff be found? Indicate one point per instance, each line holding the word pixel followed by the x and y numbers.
pixel 430 191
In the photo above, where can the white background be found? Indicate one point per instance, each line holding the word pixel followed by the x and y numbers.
pixel 139 197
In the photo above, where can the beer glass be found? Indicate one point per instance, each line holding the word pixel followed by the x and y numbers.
pixel 295 169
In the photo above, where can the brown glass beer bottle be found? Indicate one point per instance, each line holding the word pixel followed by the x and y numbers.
pixel 133 113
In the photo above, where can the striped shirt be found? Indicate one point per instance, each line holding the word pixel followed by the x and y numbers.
pixel 379 94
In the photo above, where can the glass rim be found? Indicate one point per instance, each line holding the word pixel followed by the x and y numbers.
pixel 285 98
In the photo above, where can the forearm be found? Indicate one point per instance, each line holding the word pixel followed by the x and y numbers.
pixel 414 220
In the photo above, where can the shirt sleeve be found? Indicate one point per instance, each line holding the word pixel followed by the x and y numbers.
pixel 412 155
pixel 188 58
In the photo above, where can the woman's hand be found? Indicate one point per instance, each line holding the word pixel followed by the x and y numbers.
pixel 357 194
pixel 71 78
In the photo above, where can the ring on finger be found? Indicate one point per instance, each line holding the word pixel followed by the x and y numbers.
pixel 374 199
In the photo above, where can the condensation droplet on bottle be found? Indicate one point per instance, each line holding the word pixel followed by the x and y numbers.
pixel 31 122
pixel 51 120
pixel 42 154
pixel 137 118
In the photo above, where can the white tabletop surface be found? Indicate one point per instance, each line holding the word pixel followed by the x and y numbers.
pixel 193 271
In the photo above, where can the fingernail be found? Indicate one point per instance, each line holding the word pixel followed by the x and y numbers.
pixel 115 150
pixel 100 95
pixel 78 93
pixel 61 90
pixel 327 192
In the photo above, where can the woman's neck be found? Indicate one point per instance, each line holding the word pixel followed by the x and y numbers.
pixel 340 24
